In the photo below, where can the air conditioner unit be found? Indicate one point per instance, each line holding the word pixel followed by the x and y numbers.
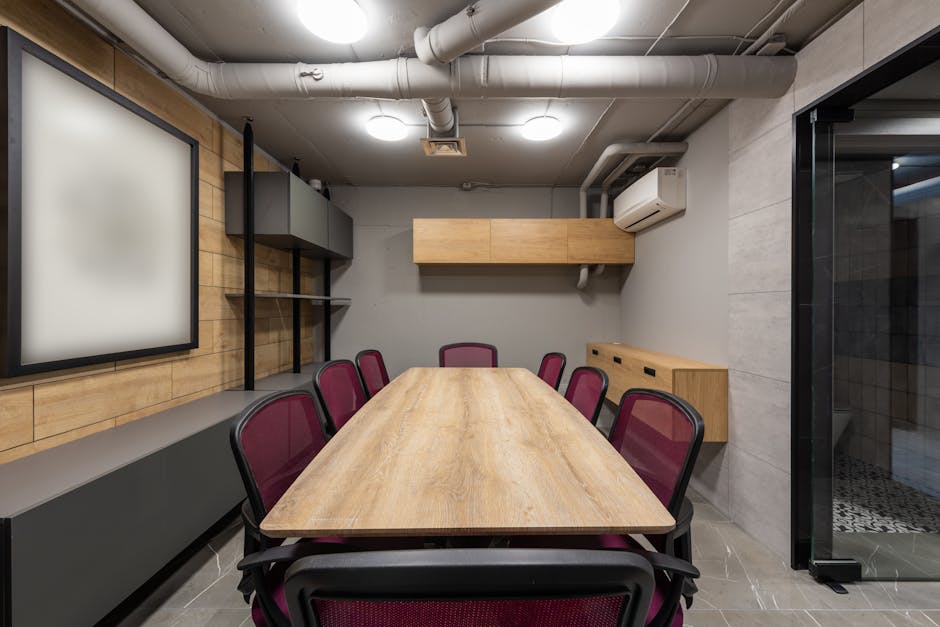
pixel 654 197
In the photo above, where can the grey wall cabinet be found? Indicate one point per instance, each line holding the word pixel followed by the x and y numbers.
pixel 289 214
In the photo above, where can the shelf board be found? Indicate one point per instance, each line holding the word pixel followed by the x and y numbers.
pixel 336 301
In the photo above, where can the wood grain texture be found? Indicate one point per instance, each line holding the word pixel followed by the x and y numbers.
pixel 16 417
pixel 451 241
pixel 55 29
pixel 467 451
pixel 528 241
pixel 704 386
pixel 521 241
pixel 599 241
pixel 67 405
pixel 74 403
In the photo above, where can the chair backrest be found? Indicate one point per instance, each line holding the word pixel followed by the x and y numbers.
pixel 586 391
pixel 551 368
pixel 659 435
pixel 499 587
pixel 273 440
pixel 467 355
pixel 372 371
pixel 340 391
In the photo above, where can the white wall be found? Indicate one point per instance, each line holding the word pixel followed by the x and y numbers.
pixel 675 297
pixel 408 312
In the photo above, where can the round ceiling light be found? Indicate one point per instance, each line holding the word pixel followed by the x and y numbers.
pixel 386 128
pixel 580 21
pixel 541 128
pixel 339 21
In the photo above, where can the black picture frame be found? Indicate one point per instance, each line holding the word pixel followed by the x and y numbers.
pixel 12 47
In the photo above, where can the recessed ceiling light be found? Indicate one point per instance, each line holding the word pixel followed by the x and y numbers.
pixel 895 165
pixel 386 128
pixel 339 21
pixel 580 21
pixel 541 128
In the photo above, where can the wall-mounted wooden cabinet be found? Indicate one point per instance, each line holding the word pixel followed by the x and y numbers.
pixel 704 386
pixel 521 241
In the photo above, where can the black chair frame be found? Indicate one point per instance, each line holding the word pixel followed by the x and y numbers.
pixel 442 349
pixel 472 574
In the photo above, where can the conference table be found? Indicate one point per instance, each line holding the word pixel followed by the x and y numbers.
pixel 467 451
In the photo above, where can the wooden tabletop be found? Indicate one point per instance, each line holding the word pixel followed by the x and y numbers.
pixel 467 451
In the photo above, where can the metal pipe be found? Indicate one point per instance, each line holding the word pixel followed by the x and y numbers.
pixel 636 149
pixel 767 34
pixel 706 76
pixel 471 27
pixel 248 158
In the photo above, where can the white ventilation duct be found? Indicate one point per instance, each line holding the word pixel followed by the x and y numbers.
pixel 707 76
pixel 471 27
pixel 633 151
pixel 463 32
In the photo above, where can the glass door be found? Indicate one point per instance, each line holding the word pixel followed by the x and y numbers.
pixel 876 333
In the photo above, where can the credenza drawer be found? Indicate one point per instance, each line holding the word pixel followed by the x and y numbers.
pixel 704 386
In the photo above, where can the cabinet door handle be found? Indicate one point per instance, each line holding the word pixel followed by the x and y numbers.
pixel 617 360
pixel 650 371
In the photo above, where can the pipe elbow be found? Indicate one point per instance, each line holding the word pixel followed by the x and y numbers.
pixel 583 275
pixel 423 47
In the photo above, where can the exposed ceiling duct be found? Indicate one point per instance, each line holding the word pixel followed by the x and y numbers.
pixel 463 32
pixel 706 76
pixel 471 27
pixel 631 150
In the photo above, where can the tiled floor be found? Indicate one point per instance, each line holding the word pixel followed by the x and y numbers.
pixel 742 584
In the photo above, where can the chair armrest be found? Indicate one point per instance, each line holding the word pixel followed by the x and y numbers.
pixel 293 552
pixel 668 563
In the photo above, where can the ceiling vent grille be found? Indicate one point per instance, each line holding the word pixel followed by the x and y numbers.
pixel 447 144
pixel 444 146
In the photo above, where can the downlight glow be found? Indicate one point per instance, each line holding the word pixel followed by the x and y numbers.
pixel 386 128
pixel 339 21
pixel 580 21
pixel 541 128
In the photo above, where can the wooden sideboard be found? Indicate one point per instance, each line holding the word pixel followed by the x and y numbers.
pixel 704 386
pixel 521 241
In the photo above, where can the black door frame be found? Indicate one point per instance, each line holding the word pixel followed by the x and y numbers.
pixel 915 56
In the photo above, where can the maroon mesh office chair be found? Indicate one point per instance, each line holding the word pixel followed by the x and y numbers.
pixel 551 368
pixel 340 392
pixel 492 587
pixel 467 355
pixel 586 391
pixel 273 440
pixel 660 435
pixel 372 371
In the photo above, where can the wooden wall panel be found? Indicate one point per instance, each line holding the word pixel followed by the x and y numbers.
pixel 46 23
pixel 154 94
pixel 66 405
pixel 40 411
pixel 16 417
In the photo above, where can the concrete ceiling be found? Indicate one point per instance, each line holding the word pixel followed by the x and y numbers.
pixel 329 137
